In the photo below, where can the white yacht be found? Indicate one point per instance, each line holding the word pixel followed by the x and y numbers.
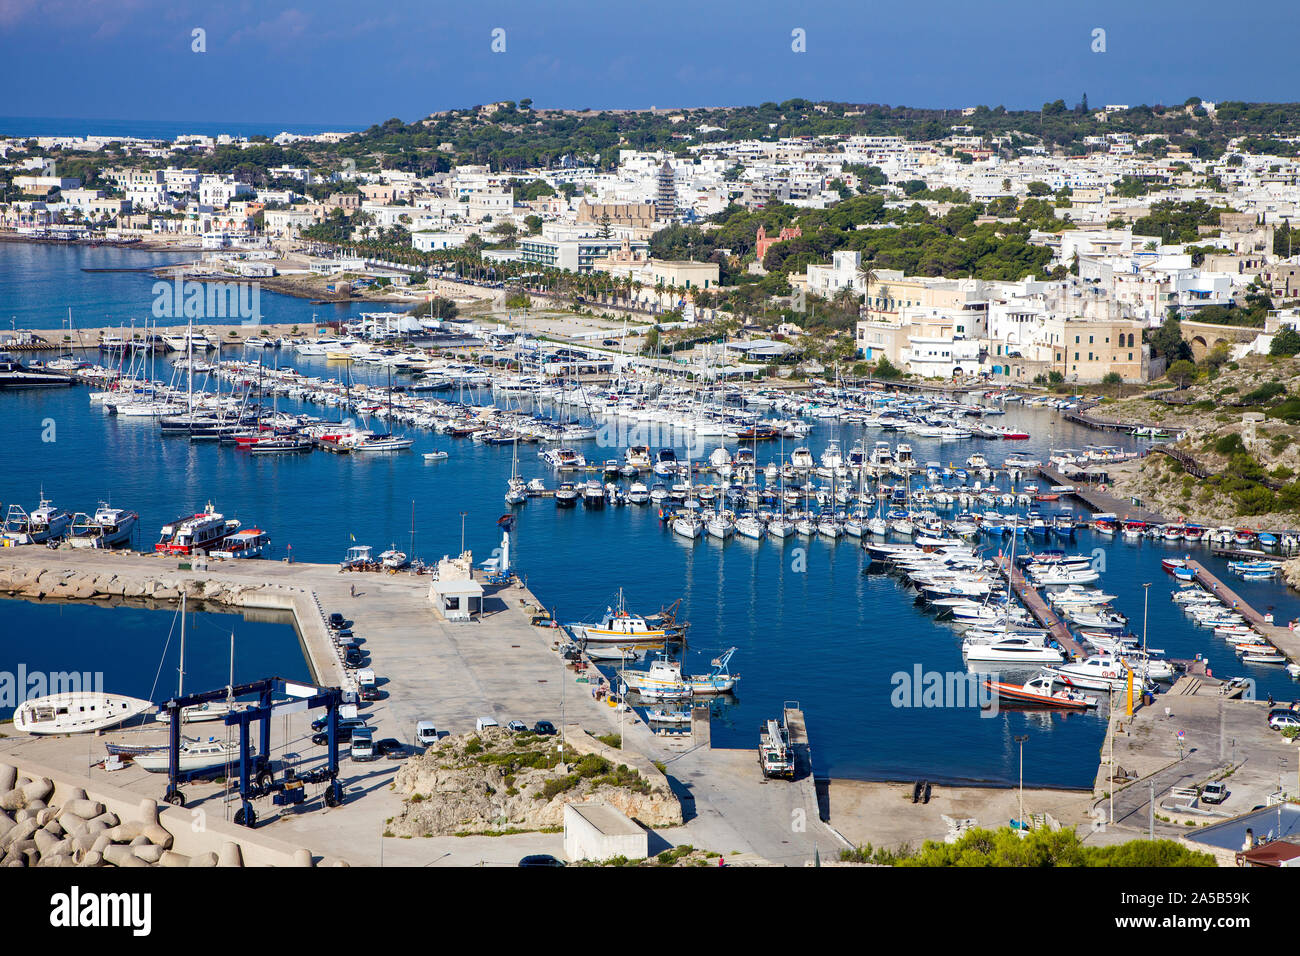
pixel 1015 649
pixel 76 712
pixel 194 755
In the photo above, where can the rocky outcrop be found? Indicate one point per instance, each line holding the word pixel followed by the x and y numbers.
pixel 495 781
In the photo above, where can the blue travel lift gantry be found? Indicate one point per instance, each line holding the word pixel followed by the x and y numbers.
pixel 302 697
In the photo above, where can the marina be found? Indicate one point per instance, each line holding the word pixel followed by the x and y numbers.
pixel 948 496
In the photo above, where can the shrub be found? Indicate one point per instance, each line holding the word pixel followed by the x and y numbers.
pixel 1285 343
pixel 1265 393
pixel 1229 444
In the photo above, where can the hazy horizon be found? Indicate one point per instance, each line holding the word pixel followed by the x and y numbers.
pixel 272 64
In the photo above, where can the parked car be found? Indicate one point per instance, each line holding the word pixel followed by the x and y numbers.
pixel 1215 792
pixel 483 723
pixel 321 723
pixel 516 726
pixel 540 859
pixel 1283 719
pixel 391 747
pixel 544 727
pixel 336 620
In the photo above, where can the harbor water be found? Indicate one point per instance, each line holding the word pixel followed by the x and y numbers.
pixel 811 621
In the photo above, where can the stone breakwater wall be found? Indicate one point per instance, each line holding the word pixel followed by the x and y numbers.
pixel 52 819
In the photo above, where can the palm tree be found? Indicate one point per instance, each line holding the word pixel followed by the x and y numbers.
pixel 868 275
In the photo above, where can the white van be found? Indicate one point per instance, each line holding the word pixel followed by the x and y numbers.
pixel 483 723
pixel 425 733
pixel 363 744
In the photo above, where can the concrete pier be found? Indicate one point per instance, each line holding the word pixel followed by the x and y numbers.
pixel 1283 638
pixel 499 665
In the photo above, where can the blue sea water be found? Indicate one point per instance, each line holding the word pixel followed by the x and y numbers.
pixel 812 627
pixel 136 651
pixel 42 285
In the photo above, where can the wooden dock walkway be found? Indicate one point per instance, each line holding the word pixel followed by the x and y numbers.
pixel 1102 501
pixel 1042 612
pixel 1283 638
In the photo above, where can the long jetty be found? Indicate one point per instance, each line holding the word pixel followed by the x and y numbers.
pixel 1043 614
pixel 1283 638
pixel 1102 501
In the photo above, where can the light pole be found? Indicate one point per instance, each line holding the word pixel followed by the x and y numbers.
pixel 1020 739
pixel 462 531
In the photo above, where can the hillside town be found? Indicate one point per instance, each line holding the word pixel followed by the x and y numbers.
pixel 1045 265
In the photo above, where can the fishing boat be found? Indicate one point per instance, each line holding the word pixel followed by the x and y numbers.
pixel 47 523
pixel 393 560
pixel 435 456
pixel 1271 656
pixel 198 532
pixel 193 756
pixel 1040 691
pixel 358 556
pixel 109 528
pixel 76 712
pixel 249 543
pixel 658 716
pixel 617 626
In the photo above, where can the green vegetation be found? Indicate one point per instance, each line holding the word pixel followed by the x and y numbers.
pixel 1037 848
pixel 599 772
pixel 1174 222
pixel 1285 343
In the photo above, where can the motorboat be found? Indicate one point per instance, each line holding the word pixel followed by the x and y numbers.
pixel 1100 672
pixel 204 532
pixel 76 712
pixel 593 494
pixel 566 496
pixel 14 374
pixel 393 560
pixel 358 556
pixel 193 756
pixel 1039 691
pixel 249 543
pixel 1014 649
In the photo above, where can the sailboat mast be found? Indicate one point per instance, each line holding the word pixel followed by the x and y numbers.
pixel 180 671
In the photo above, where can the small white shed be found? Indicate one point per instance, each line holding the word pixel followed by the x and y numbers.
pixel 598 831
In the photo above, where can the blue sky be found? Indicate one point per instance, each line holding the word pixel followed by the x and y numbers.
pixel 350 63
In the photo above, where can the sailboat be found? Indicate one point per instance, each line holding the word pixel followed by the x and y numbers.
pixel 208 710
pixel 517 488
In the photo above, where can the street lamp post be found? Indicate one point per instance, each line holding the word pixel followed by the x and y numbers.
pixel 462 531
pixel 1020 739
